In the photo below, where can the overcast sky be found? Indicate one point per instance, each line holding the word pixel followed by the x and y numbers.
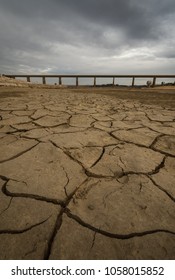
pixel 87 36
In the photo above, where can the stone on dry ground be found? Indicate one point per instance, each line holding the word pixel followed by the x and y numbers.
pixel 95 166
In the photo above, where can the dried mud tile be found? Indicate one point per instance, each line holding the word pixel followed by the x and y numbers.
pixel 86 244
pixel 11 147
pixel 124 208
pixel 142 136
pixel 43 171
pixel 91 137
pixel 31 244
pixel 165 178
pixel 166 144
pixel 127 158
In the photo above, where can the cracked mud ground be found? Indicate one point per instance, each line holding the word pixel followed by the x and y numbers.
pixel 84 175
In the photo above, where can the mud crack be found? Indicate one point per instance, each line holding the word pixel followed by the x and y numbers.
pixel 23 230
pixel 114 235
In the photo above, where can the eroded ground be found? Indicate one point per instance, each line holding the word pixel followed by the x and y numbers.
pixel 86 175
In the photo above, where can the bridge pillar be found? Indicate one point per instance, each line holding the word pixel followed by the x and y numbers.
pixel 44 80
pixel 133 81
pixel 28 79
pixel 77 81
pixel 154 81
pixel 94 81
pixel 113 82
pixel 60 81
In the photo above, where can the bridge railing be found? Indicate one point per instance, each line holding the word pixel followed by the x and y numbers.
pixel 77 77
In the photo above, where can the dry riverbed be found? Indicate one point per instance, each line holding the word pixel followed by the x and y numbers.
pixel 87 173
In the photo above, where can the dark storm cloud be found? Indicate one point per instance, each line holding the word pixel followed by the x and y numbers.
pixel 136 17
pixel 51 32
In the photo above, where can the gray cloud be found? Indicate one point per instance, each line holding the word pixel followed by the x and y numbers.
pixel 86 36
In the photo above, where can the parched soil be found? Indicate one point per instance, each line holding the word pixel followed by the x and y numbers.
pixel 87 173
pixel 163 96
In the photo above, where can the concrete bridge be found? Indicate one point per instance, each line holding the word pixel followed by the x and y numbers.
pixel 77 77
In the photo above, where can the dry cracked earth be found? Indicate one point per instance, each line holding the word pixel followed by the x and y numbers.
pixel 85 176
